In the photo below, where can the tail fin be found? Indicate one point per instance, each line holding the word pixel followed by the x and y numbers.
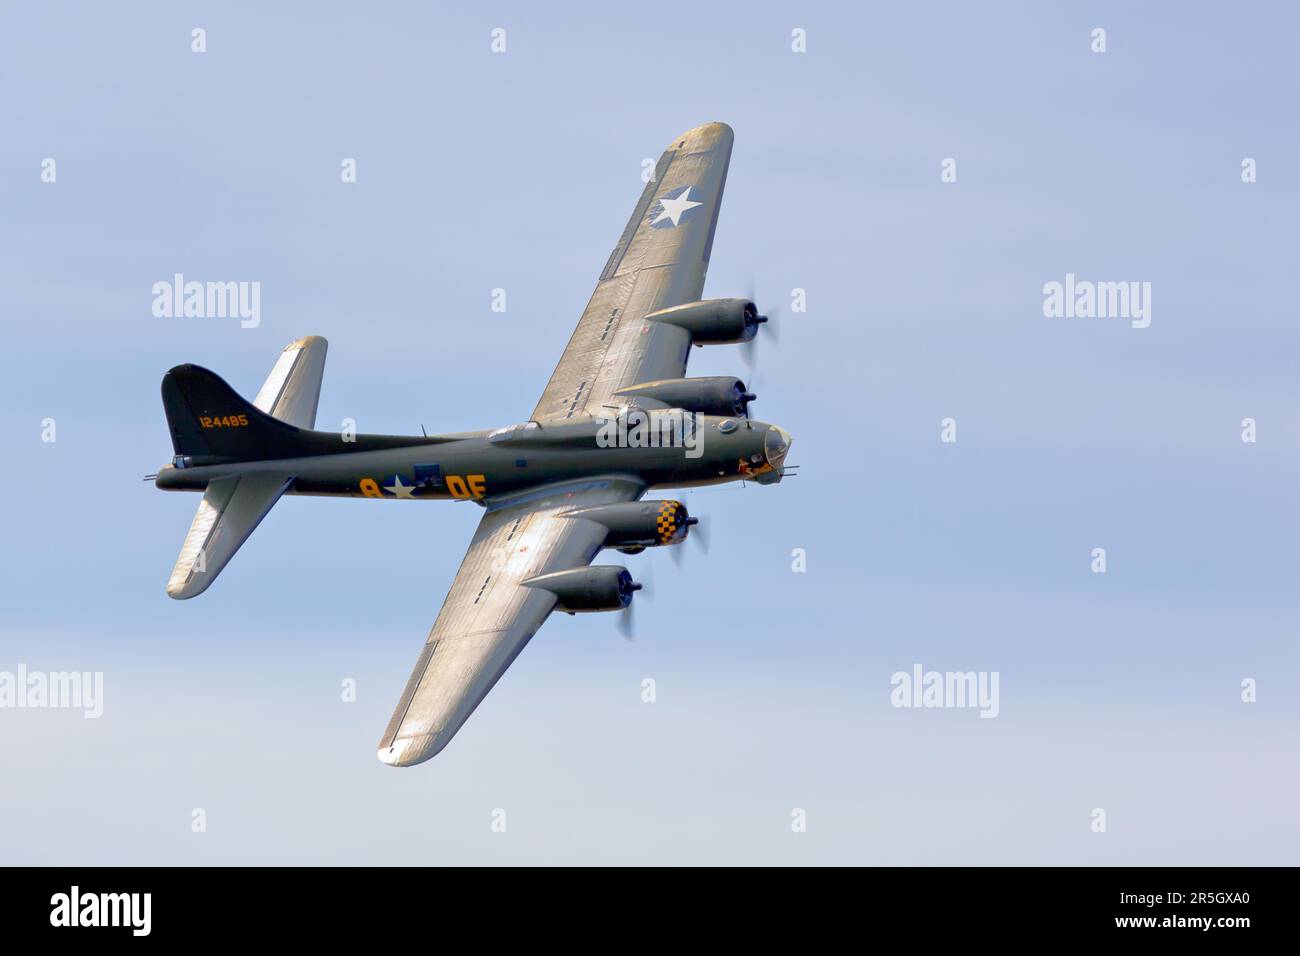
pixel 208 419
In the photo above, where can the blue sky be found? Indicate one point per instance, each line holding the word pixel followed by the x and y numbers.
pixel 479 171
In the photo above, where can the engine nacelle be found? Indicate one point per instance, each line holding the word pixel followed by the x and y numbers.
pixel 722 395
pixel 601 587
pixel 713 321
pixel 633 526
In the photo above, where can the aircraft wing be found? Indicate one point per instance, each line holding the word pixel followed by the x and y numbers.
pixel 489 615
pixel 659 262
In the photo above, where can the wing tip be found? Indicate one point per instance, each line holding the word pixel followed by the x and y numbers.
pixel 704 136
pixel 184 589
pixel 407 752
pixel 401 753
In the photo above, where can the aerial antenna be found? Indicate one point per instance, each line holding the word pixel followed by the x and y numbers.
pixel 422 431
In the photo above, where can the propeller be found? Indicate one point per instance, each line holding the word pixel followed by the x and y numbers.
pixel 701 534
pixel 741 397
pixel 697 534
pixel 627 623
pixel 768 322
pixel 626 617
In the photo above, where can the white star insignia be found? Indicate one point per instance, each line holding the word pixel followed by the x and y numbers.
pixel 673 208
pixel 399 489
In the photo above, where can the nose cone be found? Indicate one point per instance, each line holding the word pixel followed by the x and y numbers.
pixel 776 445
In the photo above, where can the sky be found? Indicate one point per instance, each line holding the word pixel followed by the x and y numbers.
pixel 772 737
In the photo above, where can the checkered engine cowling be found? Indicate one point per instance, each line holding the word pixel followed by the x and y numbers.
pixel 634 525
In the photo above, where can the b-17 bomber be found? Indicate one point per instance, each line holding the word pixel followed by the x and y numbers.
pixel 617 420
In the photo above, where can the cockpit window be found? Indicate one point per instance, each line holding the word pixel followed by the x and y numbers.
pixel 727 426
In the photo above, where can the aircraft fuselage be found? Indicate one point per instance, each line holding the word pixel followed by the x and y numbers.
pixel 479 465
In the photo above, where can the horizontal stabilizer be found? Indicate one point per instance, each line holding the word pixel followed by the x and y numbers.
pixel 231 508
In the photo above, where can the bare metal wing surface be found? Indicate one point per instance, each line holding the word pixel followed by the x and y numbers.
pixel 490 613
pixel 660 261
